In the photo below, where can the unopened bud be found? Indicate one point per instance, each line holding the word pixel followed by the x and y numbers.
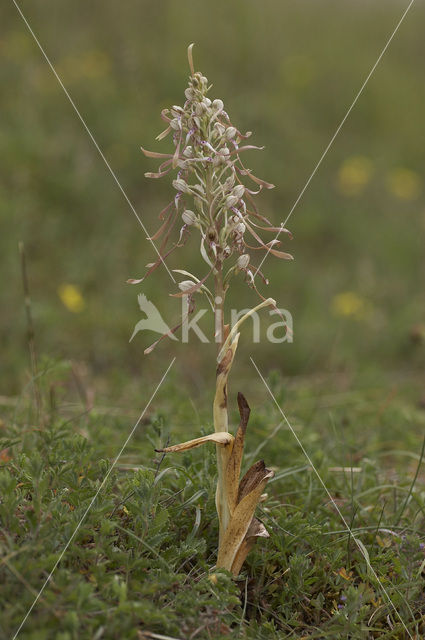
pixel 196 79
pixel 200 109
pixel 243 261
pixel 175 124
pixel 229 182
pixel 238 191
pixel 206 101
pixel 212 234
pixel 240 228
pixel 218 159
pixel 188 152
pixel 220 128
pixel 224 151
pixel 181 185
pixel 186 285
pixel 199 188
pixel 188 217
pixel 230 133
pixel 189 93
pixel 231 201
pixel 218 105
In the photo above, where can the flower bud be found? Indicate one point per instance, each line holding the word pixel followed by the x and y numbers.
pixel 218 105
pixel 229 182
pixel 199 188
pixel 226 251
pixel 206 101
pixel 175 124
pixel 181 185
pixel 243 261
pixel 225 151
pixel 238 191
pixel 186 285
pixel 200 109
pixel 188 217
pixel 240 228
pixel 189 93
pixel 188 152
pixel 196 79
pixel 176 111
pixel 220 128
pixel 230 133
pixel 212 234
pixel 231 201
pixel 218 160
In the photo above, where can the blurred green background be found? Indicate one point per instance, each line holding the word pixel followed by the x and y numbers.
pixel 288 72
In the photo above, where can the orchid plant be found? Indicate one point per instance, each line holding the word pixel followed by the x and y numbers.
pixel 213 201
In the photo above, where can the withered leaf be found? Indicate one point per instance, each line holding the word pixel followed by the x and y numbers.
pixel 240 522
pixel 222 438
pixel 255 530
pixel 233 468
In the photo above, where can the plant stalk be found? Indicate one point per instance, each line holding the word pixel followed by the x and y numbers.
pixel 30 331
pixel 220 415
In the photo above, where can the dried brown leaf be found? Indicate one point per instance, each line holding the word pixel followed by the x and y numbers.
pixel 255 530
pixel 233 468
pixel 155 154
pixel 222 438
pixel 240 522
pixel 252 479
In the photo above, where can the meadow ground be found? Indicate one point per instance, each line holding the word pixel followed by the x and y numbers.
pixel 141 560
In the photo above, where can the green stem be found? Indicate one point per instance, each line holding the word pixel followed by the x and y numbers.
pixel 219 409
pixel 219 307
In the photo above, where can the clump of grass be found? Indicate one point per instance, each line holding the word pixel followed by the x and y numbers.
pixel 213 200
pixel 140 562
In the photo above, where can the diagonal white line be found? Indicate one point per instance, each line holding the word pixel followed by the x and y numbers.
pixel 341 124
pixel 111 171
pixel 64 550
pixel 347 526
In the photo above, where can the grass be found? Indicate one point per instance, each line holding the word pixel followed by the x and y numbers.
pixel 140 562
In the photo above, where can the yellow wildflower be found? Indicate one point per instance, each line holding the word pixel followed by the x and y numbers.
pixel 343 573
pixel 404 183
pixel 71 297
pixel 349 303
pixel 354 174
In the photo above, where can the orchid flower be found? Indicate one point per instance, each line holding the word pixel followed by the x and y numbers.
pixel 212 200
